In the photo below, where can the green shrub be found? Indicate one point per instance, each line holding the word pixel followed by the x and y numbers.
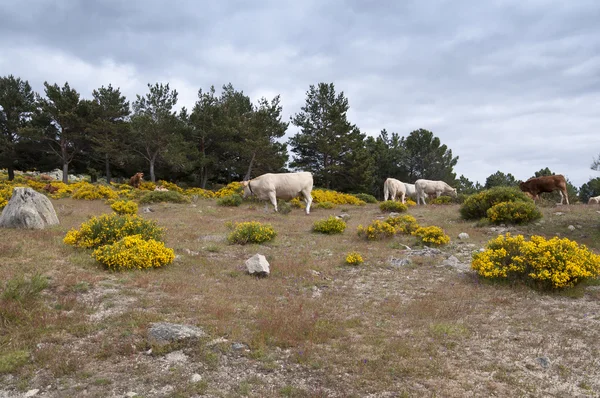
pixel 392 206
pixel 331 225
pixel 21 290
pixel 230 200
pixel 12 360
pixel 109 228
pixel 405 224
pixel 432 235
pixel 134 252
pixel 365 197
pixel 476 206
pixel 513 213
pixel 325 205
pixel 164 196
pixel 251 232
pixel 284 207
pixel 376 230
pixel 442 200
pixel 554 263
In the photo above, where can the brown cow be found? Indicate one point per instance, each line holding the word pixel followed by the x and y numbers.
pixel 536 186
pixel 136 180
pixel 50 188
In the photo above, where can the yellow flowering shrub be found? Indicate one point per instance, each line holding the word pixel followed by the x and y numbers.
pixel 124 207
pixel 37 185
pixel 442 200
pixel 338 198
pixel 147 186
pixel 230 200
pixel 476 206
pixel 354 258
pixel 410 202
pixel 170 186
pixel 365 197
pixel 392 206
pixel 6 191
pixel 202 193
pixel 513 213
pixel 297 203
pixel 164 196
pixel 134 252
pixel 325 205
pixel 235 187
pixel 89 191
pixel 554 263
pixel 404 224
pixel 331 225
pixel 251 232
pixel 432 235
pixel 376 230
pixel 64 190
pixel 109 228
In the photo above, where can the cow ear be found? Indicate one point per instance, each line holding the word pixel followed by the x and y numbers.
pixel 244 183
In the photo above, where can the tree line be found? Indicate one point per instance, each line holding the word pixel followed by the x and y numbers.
pixel 224 137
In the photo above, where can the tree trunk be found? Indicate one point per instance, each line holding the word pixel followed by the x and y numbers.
pixel 11 173
pixel 249 172
pixel 107 168
pixel 65 170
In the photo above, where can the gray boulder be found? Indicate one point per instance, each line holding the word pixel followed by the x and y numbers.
pixel 28 209
pixel 164 333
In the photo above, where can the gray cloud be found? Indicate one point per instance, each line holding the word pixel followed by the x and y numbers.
pixel 508 85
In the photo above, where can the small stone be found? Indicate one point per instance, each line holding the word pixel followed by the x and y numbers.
pixel 196 378
pixel 571 228
pixel 400 262
pixel 32 393
pixel 131 394
pixel 558 213
pixel 463 235
pixel 238 346
pixel 147 210
pixel 543 361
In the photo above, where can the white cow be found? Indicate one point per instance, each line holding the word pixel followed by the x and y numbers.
pixel 393 188
pixel 273 186
pixel 427 187
pixel 594 200
pixel 410 190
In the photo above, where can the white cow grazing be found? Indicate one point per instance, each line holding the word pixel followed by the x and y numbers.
pixel 411 190
pixel 594 200
pixel 427 187
pixel 273 186
pixel 393 188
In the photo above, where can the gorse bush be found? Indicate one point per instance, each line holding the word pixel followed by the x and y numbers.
pixel 476 206
pixel 442 200
pixel 410 202
pixel 251 232
pixel 354 258
pixel 365 197
pixel 231 189
pixel 200 192
pixel 331 225
pixel 109 228
pixel 513 213
pixel 134 252
pixel 284 207
pixel 90 192
pixel 230 200
pixel 392 206
pixel 432 235
pixel 124 207
pixel 164 196
pixel 170 186
pixel 325 205
pixel 376 230
pixel 554 263
pixel 405 224
pixel 338 198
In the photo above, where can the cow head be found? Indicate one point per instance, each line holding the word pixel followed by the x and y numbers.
pixel 453 193
pixel 247 191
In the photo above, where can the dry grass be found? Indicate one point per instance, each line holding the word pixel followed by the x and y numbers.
pixel 314 327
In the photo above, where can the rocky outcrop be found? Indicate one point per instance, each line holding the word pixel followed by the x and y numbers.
pixel 28 209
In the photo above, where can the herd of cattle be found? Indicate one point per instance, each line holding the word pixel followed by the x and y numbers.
pixel 273 186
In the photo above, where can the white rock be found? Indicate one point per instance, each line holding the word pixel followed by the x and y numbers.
pixel 31 393
pixel 463 235
pixel 196 378
pixel 131 394
pixel 258 264
pixel 571 228
pixel 28 209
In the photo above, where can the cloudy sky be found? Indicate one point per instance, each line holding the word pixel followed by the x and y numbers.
pixel 509 85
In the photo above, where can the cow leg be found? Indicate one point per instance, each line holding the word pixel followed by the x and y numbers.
pixel 308 200
pixel 273 200
pixel 403 195
pixel 563 196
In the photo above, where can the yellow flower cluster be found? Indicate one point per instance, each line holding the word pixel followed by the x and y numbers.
pixel 124 207
pixel 251 232
pixel 231 189
pixel 432 235
pixel 133 252
pixel 376 230
pixel 147 186
pixel 513 212
pixel 6 191
pixel 89 191
pixel 170 186
pixel 410 202
pixel 354 258
pixel 109 228
pixel 297 203
pixel 338 198
pixel 405 224
pixel 392 205
pixel 331 225
pixel 202 193
pixel 555 263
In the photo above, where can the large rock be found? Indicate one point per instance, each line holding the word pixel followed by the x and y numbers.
pixel 258 264
pixel 28 209
pixel 162 333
